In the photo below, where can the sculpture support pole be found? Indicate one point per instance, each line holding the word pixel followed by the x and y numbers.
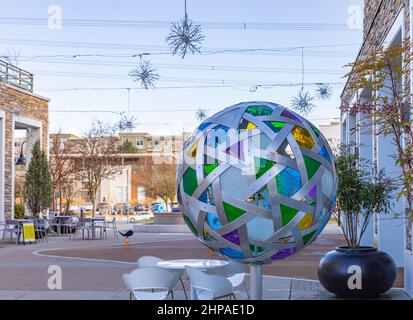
pixel 255 281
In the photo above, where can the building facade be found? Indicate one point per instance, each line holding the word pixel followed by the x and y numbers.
pixel 20 110
pixel 130 184
pixel 386 23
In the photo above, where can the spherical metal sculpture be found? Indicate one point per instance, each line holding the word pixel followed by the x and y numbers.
pixel 256 182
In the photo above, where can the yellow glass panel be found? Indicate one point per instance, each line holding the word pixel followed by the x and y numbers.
pixel 303 137
pixel 251 126
pixel 306 221
pixel 192 151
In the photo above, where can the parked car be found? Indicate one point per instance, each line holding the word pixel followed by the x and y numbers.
pixel 139 207
pixel 143 215
pixel 102 207
pixel 158 208
pixel 176 209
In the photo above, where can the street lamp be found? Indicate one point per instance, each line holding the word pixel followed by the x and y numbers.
pixel 21 160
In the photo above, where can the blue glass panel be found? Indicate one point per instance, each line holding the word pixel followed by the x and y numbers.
pixel 202 126
pixel 324 154
pixel 207 197
pixel 231 253
pixel 213 221
pixel 288 182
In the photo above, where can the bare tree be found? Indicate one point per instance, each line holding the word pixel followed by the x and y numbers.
pixel 161 182
pixel 98 158
pixel 61 167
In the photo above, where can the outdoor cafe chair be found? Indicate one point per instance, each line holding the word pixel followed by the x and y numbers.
pixel 151 283
pixel 111 225
pixel 84 225
pixel 40 229
pixel 152 262
pixel 234 271
pixel 209 287
pixel 11 227
pixel 73 226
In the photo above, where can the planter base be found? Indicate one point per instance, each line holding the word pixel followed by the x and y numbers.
pixel 364 272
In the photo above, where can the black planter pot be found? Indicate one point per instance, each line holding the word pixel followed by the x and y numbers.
pixel 364 272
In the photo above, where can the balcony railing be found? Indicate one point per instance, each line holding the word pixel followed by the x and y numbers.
pixel 16 76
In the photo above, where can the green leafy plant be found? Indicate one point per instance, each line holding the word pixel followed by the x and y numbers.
pixel 381 72
pixel 38 183
pixel 359 196
pixel 18 211
pixel 127 147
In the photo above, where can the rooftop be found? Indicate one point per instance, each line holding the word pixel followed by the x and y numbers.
pixel 16 76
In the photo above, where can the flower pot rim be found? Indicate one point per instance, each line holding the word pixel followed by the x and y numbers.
pixel 358 249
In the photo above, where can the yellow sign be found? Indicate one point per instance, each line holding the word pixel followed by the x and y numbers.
pixel 28 232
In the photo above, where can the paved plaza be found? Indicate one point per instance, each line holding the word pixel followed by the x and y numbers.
pixel 92 269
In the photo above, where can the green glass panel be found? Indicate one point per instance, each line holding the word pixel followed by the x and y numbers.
pixel 256 249
pixel 316 131
pixel 308 236
pixel 287 213
pixel 232 212
pixel 259 110
pixel 190 225
pixel 276 126
pixel 262 166
pixel 311 165
pixel 208 168
pixel 190 182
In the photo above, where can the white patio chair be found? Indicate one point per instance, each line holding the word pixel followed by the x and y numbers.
pixel 209 287
pixel 151 262
pixel 151 283
pixel 235 272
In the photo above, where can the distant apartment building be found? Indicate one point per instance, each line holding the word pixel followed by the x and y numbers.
pixel 130 185
pixel 386 23
pixel 331 132
pixel 23 111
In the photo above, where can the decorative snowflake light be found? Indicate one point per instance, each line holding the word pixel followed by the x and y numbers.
pixel 185 36
pixel 303 102
pixel 146 74
pixel 126 123
pixel 324 91
pixel 201 114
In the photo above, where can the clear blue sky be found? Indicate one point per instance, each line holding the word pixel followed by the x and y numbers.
pixel 321 64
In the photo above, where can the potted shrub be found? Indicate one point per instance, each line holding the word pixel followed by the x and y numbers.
pixel 356 271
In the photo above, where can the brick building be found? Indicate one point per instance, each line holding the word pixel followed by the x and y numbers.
pixel 130 185
pixel 20 110
pixel 386 23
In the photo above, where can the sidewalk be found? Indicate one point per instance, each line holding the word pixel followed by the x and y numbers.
pixel 274 288
pixel 93 269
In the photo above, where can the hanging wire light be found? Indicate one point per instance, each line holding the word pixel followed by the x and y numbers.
pixel 146 74
pixel 201 114
pixel 126 123
pixel 185 36
pixel 303 103
pixel 324 91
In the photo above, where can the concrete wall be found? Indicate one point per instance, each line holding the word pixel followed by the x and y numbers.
pixel 383 20
pixel 23 108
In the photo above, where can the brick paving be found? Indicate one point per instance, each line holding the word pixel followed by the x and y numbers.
pixel 23 269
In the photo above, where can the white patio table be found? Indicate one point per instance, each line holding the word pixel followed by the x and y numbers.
pixel 201 264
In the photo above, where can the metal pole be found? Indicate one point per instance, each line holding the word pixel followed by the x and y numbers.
pixel 255 281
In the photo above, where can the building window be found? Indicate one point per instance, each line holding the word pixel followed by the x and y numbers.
pixel 141 195
pixel 140 142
